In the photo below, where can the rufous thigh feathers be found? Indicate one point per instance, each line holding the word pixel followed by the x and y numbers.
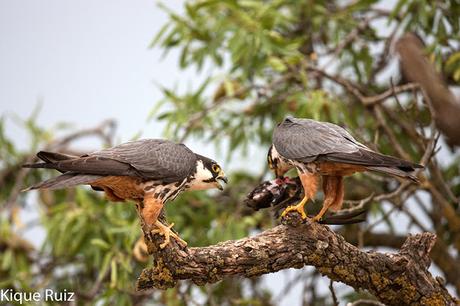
pixel 330 190
pixel 109 194
pixel 151 210
pixel 340 191
pixel 333 189
pixel 310 184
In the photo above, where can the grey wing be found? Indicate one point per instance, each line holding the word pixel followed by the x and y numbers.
pixel 94 165
pixel 308 140
pixel 66 180
pixel 345 134
pixel 304 139
pixel 155 159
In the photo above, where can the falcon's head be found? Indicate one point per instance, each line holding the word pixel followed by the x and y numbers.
pixel 208 174
pixel 277 163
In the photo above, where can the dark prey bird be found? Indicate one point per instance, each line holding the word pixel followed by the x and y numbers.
pixel 149 171
pixel 324 149
pixel 280 193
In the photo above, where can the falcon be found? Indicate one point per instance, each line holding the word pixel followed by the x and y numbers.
pixel 150 172
pixel 322 149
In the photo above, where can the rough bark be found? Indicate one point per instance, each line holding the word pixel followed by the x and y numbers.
pixel 448 264
pixel 396 279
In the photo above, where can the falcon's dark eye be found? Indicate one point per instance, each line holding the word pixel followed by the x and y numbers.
pixel 216 168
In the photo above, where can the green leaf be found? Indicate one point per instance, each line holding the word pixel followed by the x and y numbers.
pixel 105 266
pixel 113 274
pixel 100 243
pixel 453 59
pixel 7 257
pixel 276 63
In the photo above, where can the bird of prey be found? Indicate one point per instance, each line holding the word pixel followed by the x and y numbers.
pixel 324 149
pixel 150 172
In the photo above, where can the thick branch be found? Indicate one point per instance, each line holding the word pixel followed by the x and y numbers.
pixel 395 279
pixel 443 259
pixel 417 68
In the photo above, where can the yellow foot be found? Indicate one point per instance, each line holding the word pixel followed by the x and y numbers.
pixel 167 233
pixel 316 218
pixel 298 208
pixel 140 251
pixel 321 213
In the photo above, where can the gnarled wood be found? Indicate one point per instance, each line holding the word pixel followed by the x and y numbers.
pixel 396 279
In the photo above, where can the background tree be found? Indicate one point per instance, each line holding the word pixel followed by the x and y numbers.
pixel 330 61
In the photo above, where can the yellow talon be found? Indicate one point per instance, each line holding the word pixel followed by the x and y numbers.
pixel 316 218
pixel 140 250
pixel 166 231
pixel 323 210
pixel 298 208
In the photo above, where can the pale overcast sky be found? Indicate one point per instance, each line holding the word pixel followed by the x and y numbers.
pixel 88 61
pixel 85 60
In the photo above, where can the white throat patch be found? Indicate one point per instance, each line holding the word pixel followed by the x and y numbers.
pixel 202 174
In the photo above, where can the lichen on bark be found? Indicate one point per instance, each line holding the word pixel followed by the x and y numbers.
pixel 394 278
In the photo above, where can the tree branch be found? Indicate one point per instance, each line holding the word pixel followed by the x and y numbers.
pixel 395 279
pixel 417 68
pixel 448 264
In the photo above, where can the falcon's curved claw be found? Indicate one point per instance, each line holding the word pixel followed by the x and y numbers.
pixel 167 233
pixel 298 208
pixel 316 218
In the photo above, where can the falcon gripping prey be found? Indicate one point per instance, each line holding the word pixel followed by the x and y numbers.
pixel 150 172
pixel 324 149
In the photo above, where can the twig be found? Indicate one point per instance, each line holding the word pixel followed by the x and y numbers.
pixel 393 91
pixel 388 213
pixel 362 302
pixel 356 92
pixel 389 132
pixel 196 117
pixel 334 297
pixel 287 287
pixel 353 35
pixel 350 87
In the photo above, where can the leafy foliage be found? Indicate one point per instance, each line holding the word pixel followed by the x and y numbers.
pixel 271 59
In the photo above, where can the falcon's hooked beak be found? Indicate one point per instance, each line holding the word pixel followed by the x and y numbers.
pixel 221 177
pixel 208 175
